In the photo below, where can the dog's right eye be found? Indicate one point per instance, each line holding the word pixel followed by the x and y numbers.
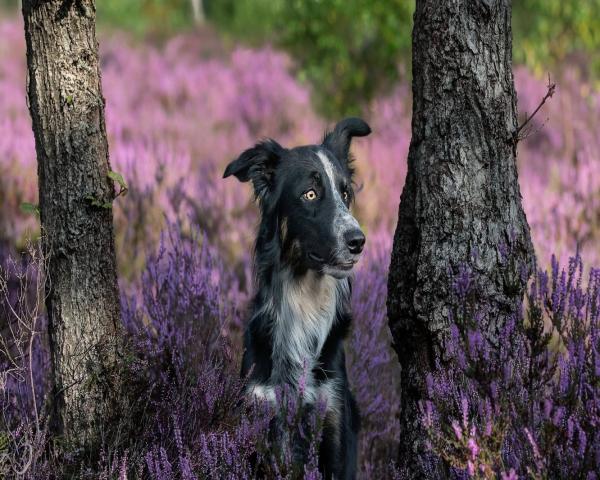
pixel 310 195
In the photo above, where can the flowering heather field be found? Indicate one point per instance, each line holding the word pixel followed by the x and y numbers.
pixel 176 116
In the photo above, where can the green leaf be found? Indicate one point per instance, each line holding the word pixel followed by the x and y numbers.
pixel 117 177
pixel 94 202
pixel 30 208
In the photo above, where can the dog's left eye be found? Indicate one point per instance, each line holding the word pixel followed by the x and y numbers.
pixel 310 195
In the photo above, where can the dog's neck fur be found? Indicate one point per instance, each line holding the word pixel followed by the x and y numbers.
pixel 303 309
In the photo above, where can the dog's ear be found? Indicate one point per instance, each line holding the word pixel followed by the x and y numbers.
pixel 338 140
pixel 257 164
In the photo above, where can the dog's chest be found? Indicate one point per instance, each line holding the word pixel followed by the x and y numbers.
pixel 303 315
pixel 306 314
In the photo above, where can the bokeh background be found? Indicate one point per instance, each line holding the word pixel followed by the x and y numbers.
pixel 189 85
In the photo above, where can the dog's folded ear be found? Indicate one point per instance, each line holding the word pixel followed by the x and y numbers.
pixel 338 140
pixel 257 164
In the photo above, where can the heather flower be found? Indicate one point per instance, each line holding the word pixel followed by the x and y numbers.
pixel 473 448
pixel 510 475
pixel 526 394
pixel 457 430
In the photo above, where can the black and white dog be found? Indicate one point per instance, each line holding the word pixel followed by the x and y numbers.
pixel 307 244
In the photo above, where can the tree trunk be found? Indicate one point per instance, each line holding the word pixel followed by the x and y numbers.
pixel 198 10
pixel 75 193
pixel 461 201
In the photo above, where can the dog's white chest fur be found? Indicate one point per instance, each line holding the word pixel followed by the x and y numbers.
pixel 303 316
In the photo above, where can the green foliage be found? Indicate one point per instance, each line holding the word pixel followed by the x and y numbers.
pixel 117 177
pixel 123 189
pixel 30 208
pixel 96 202
pixel 351 50
pixel 143 17
pixel 254 21
pixel 549 32
pixel 347 49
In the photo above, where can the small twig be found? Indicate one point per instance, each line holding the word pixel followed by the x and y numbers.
pixel 549 93
pixel 529 130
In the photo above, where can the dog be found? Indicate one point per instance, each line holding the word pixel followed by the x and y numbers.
pixel 307 245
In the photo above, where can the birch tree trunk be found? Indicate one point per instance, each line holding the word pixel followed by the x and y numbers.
pixel 461 200
pixel 75 194
pixel 198 10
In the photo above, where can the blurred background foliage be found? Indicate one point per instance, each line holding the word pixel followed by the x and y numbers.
pixel 145 17
pixel 351 50
pixel 550 33
pixel 347 49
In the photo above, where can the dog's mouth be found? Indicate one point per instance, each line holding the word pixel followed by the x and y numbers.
pixel 338 270
pixel 344 266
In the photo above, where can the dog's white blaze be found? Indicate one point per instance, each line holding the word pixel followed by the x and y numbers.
pixel 343 219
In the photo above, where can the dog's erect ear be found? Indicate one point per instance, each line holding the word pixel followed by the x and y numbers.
pixel 338 140
pixel 257 164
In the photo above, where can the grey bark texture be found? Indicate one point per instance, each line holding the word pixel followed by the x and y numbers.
pixel 67 111
pixel 461 200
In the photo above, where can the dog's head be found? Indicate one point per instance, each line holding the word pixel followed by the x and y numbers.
pixel 305 195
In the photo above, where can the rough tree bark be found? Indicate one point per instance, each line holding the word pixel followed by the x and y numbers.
pixel 461 200
pixel 75 193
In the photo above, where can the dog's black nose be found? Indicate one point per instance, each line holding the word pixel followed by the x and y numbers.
pixel 355 240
